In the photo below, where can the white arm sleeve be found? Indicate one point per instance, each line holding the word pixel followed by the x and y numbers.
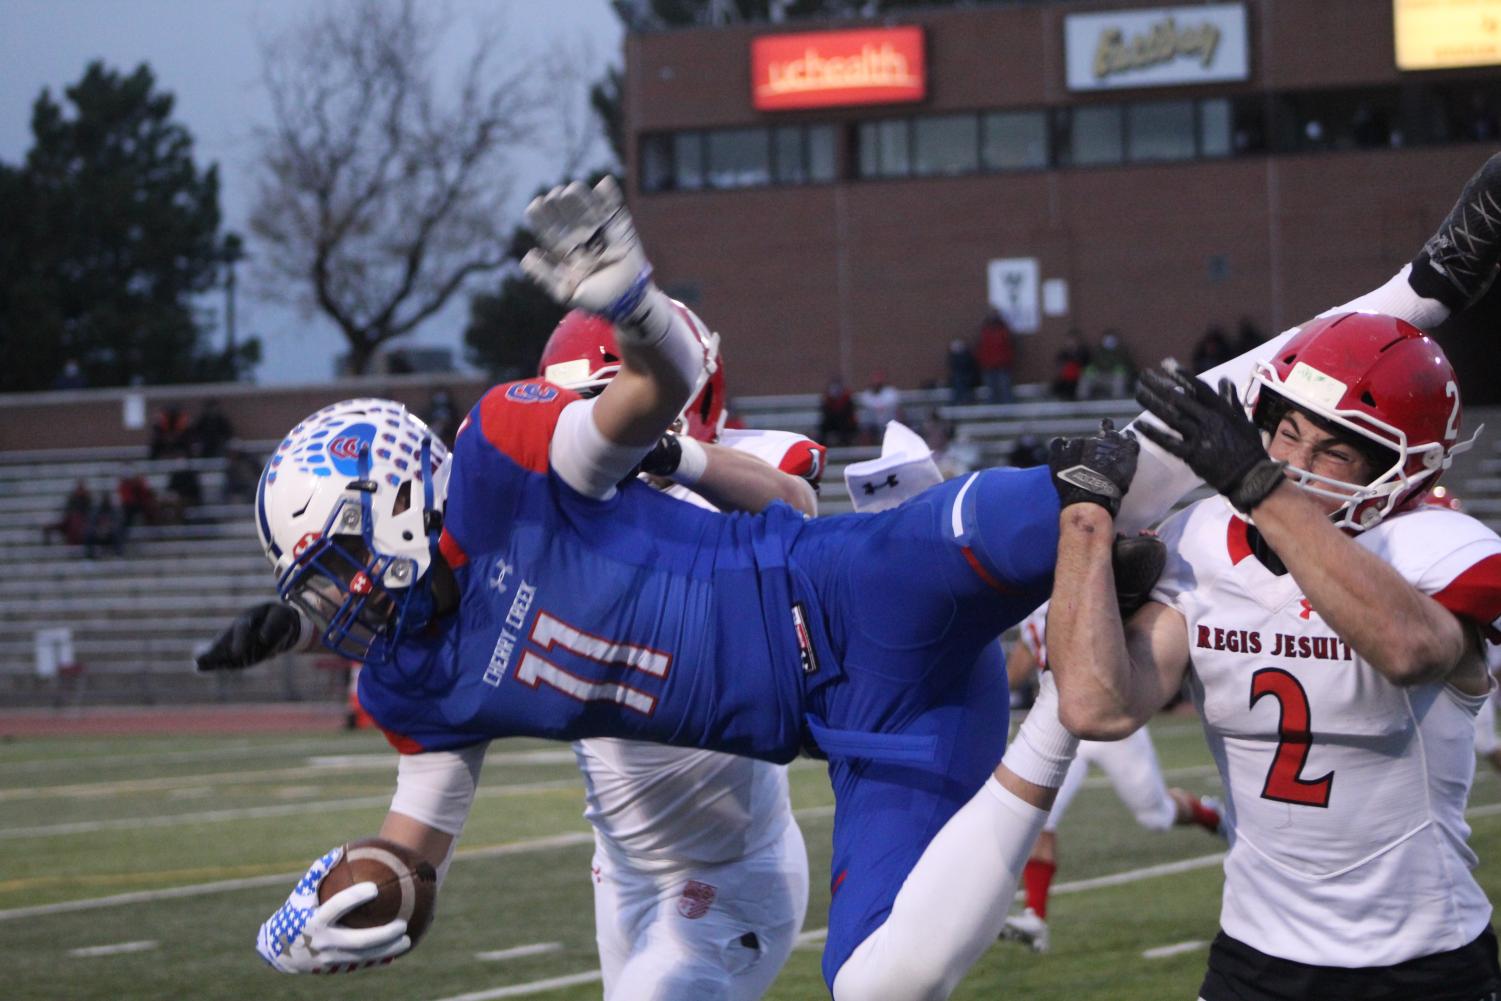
pixel 585 459
pixel 437 787
pixel 1162 480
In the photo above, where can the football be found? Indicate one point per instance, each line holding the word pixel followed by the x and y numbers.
pixel 407 885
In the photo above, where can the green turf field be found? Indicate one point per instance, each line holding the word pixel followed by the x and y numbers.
pixel 229 823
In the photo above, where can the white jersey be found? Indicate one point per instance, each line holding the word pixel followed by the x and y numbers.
pixel 1345 792
pixel 660 807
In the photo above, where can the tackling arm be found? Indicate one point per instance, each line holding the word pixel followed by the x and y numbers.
pixel 1397 629
pixel 1111 679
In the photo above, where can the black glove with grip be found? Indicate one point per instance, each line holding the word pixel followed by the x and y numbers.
pixel 1096 469
pixel 1214 436
pixel 258 633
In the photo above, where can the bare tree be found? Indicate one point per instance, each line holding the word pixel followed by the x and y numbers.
pixel 382 188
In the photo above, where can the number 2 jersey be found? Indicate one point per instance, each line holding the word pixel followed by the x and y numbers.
pixel 1346 793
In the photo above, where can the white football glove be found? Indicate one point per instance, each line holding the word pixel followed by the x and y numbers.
pixel 588 255
pixel 304 936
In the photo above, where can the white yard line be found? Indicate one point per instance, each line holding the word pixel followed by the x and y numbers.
pixel 520 951
pixel 525 990
pixel 119 948
pixel 319 764
pixel 1164 951
pixel 253 812
pixel 272 879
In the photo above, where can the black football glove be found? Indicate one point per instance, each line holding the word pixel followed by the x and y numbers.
pixel 664 458
pixel 1096 469
pixel 1137 562
pixel 257 634
pixel 1214 435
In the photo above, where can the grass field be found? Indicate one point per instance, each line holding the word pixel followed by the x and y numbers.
pixel 141 867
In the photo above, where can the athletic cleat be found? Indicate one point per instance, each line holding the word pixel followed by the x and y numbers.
pixel 1028 929
pixel 1459 260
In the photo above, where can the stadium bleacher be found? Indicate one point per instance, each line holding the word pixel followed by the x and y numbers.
pixel 137 619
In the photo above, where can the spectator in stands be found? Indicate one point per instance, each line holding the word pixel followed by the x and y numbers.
pixel 1247 336
pixel 184 488
pixel 1069 366
pixel 104 528
pixel 171 433
pixel 1110 371
pixel 996 356
pixel 137 501
pixel 1027 450
pixel 879 404
pixel 241 473
pixel 964 372
pixel 71 377
pixel 211 431
pixel 1213 349
pixel 442 415
pixel 837 425
pixel 73 522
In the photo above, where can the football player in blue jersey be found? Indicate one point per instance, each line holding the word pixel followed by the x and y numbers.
pixel 528 585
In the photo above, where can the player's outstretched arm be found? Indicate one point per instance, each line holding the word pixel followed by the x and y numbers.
pixel 257 634
pixel 729 479
pixel 589 257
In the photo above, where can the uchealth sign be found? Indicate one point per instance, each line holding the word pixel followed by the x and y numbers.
pixel 1157 47
pixel 830 68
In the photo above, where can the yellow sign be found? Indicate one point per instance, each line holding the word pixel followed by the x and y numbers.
pixel 1438 34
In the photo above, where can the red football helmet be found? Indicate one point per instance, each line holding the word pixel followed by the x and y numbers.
pixel 1385 381
pixel 581 355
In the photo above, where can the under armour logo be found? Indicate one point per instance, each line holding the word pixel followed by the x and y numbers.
pixel 499 574
pixel 1307 608
pixel 871 486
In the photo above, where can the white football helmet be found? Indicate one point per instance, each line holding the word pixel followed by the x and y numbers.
pixel 349 510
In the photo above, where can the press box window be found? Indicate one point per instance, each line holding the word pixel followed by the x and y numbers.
pixel 1014 140
pixel 688 160
pixel 946 145
pixel 1160 130
pixel 656 163
pixel 1094 135
pixel 1215 128
pixel 885 148
pixel 739 158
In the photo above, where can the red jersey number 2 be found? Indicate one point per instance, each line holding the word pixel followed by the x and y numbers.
pixel 1284 782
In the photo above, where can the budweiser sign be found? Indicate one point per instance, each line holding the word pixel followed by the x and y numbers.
pixel 827 68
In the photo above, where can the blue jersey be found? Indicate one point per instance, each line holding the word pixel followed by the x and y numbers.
pixel 638 617
pixel 874 636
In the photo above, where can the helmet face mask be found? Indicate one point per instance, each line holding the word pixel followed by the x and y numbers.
pixel 1381 386
pixel 349 510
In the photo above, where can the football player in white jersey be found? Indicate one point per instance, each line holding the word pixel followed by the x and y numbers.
pixel 1331 628
pixel 1486 744
pixel 700 872
pixel 1134 772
